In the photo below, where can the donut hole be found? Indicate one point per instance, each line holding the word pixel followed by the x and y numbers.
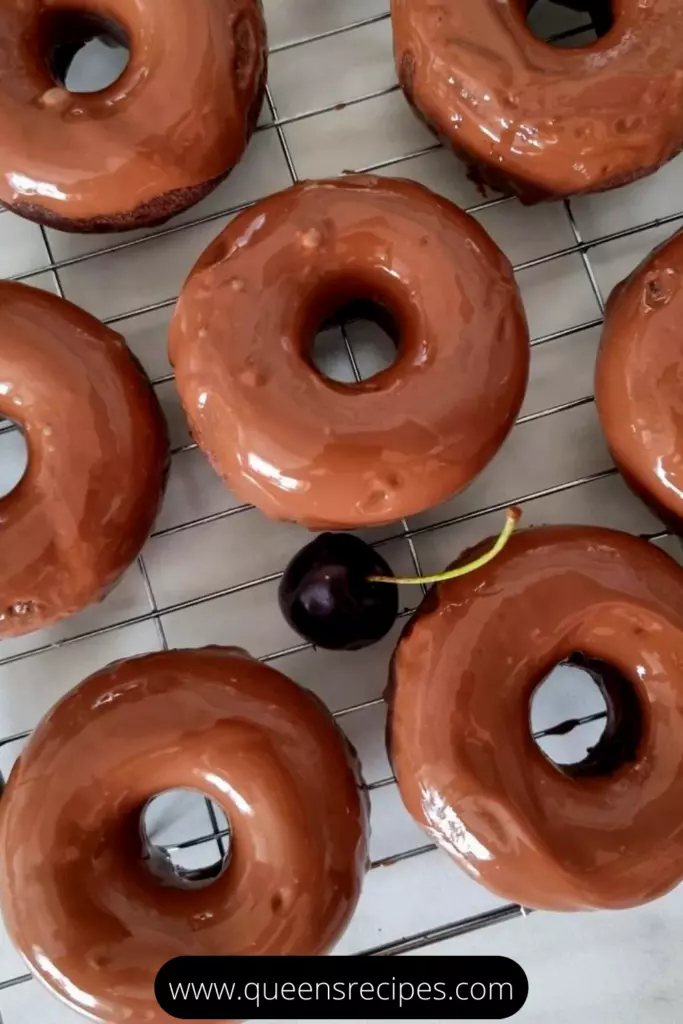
pixel 569 23
pixel 13 456
pixel 358 340
pixel 185 838
pixel 586 718
pixel 84 52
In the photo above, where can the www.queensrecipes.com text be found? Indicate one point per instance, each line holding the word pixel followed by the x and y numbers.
pixel 259 993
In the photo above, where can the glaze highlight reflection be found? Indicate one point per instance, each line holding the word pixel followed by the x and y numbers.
pixel 76 897
pixel 97 459
pixel 638 389
pixel 305 448
pixel 459 730
pixel 153 142
pixel 544 121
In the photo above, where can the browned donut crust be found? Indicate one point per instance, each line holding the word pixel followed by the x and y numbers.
pixel 327 454
pixel 98 459
pixel 638 380
pixel 605 833
pixel 78 900
pixel 150 145
pixel 543 121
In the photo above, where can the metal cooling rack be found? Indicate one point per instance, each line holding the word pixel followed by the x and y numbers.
pixel 579 247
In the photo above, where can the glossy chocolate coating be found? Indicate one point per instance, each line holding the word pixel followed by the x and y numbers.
pixel 97 459
pixel 460 736
pixel 151 144
pixel 76 896
pixel 303 447
pixel 542 120
pixel 638 379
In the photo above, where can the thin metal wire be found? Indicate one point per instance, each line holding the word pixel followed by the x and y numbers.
pixel 579 247
pixel 403 158
pixel 376 94
pixel 340 30
pixel 19 980
pixel 431 936
pixel 584 256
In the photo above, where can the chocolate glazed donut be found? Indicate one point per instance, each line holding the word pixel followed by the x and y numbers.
pixel 157 140
pixel 638 380
pixel 605 833
pixel 97 459
pixel 77 896
pixel 544 121
pixel 327 454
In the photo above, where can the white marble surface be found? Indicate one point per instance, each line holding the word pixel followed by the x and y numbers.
pixel 214 582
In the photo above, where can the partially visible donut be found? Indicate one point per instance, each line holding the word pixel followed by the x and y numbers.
pixel 97 459
pixel 77 896
pixel 157 140
pixel 542 120
pixel 303 447
pixel 638 379
pixel 605 833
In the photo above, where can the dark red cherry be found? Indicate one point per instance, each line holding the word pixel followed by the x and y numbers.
pixel 325 594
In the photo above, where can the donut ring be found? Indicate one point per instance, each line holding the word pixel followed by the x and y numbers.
pixel 543 121
pixel 148 146
pixel 637 386
pixel 98 459
pixel 76 896
pixel 311 450
pixel 605 833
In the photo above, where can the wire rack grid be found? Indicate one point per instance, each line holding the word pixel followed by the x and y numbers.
pixel 161 614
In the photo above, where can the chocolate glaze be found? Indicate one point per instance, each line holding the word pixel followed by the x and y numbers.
pixel 638 379
pixel 535 118
pixel 151 144
pixel 303 447
pixel 79 901
pixel 469 771
pixel 98 457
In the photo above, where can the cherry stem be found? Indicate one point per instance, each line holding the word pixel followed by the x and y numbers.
pixel 512 518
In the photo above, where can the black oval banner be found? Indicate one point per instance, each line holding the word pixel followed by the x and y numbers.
pixel 454 987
